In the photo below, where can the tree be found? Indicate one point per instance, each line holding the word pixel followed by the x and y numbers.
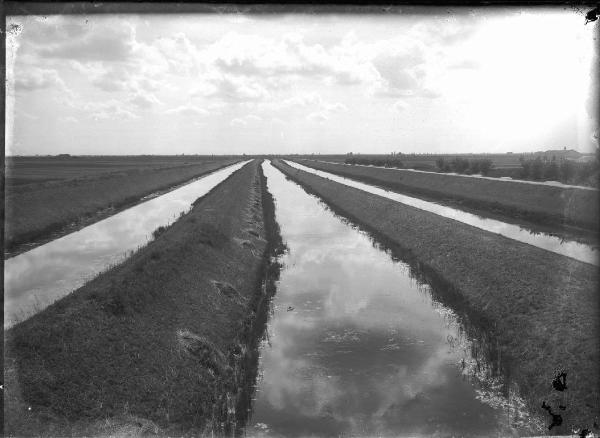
pixel 567 170
pixel 485 166
pixel 551 171
pixel 536 169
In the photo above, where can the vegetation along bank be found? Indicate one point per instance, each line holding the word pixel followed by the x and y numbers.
pixel 164 342
pixel 545 205
pixel 38 212
pixel 542 308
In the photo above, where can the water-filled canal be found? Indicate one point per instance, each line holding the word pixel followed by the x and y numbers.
pixel 357 346
pixel 35 279
pixel 576 250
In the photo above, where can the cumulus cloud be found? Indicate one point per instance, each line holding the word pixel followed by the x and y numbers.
pixel 143 100
pixel 38 78
pixel 449 29
pixel 104 43
pixel 112 109
pixel 100 110
pixel 233 89
pixel 401 74
pixel 243 121
pixel 188 111
pixel 110 80
pixel 180 53
pixel 289 56
pixel 105 51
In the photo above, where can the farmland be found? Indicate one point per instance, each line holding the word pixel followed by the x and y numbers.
pixel 551 206
pixel 511 288
pixel 171 335
pixel 47 197
pixel 162 342
pixel 567 166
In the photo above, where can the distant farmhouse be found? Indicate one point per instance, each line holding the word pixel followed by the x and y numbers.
pixel 565 154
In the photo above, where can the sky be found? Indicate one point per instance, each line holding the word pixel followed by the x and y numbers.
pixel 467 80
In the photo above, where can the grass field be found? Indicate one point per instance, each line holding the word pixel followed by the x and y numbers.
pixel 542 308
pixel 545 205
pixel 40 169
pixel 163 342
pixel 80 191
pixel 425 161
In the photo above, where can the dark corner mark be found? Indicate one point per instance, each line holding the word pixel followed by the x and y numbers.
pixel 559 383
pixel 556 418
pixel 592 15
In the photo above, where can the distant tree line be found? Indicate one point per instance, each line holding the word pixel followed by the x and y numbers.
pixel 464 165
pixel 391 161
pixel 563 170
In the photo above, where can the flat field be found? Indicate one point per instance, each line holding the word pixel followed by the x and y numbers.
pixel 542 308
pixel 545 205
pixel 164 341
pixel 501 162
pixel 47 197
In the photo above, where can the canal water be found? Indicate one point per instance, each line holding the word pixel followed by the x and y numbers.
pixel 35 279
pixel 357 346
pixel 579 251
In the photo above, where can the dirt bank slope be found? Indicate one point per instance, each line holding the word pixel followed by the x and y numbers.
pixel 542 307
pixel 36 213
pixel 546 205
pixel 164 337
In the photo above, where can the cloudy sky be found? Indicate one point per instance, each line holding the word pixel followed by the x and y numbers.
pixel 467 81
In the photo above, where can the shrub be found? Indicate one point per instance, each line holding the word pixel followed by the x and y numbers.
pixel 160 230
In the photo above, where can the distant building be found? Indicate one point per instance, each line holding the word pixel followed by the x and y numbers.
pixel 560 154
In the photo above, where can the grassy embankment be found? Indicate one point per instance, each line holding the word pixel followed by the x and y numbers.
pixel 542 308
pixel 38 212
pixel 165 341
pixel 555 207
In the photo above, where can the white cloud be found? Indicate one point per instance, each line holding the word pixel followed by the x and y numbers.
pixel 238 122
pixel 143 100
pixel 465 63
pixel 243 121
pixel 400 106
pixel 99 110
pixel 289 56
pixel 108 41
pixel 35 78
pixel 188 111
pixel 233 89
pixel 111 110
pixel 318 117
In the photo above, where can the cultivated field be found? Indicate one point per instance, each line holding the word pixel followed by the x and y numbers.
pixel 48 197
pixel 541 307
pixel 163 343
pixel 545 205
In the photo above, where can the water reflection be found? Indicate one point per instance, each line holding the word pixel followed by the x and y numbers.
pixel 357 346
pixel 36 278
pixel 576 250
